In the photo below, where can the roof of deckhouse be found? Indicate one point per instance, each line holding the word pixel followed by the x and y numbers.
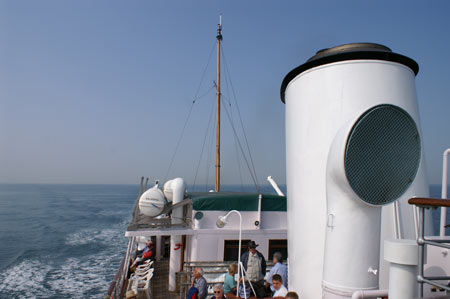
pixel 227 201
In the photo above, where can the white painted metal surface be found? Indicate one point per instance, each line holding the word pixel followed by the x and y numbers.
pixel 403 256
pixel 269 220
pixel 318 102
pixel 444 191
pixel 437 263
pixel 275 185
pixel 369 294
pixel 351 256
pixel 178 187
pixel 210 246
pixel 396 220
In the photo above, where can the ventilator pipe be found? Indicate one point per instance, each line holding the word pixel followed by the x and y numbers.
pixel 369 294
pixel 275 185
pixel 258 222
pixel 352 250
pixel 177 190
pixel 403 256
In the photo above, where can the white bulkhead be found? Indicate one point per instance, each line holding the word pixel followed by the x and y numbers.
pixel 324 99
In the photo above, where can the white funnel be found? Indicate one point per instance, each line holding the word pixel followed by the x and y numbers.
pixel 326 95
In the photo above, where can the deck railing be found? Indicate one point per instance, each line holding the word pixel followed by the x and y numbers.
pixel 422 241
pixel 213 271
pixel 113 286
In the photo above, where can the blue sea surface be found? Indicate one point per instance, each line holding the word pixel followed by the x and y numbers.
pixel 62 241
pixel 67 241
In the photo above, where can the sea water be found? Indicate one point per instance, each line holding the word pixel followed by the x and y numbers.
pixel 67 241
pixel 62 241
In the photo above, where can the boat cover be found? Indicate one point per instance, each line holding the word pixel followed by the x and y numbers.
pixel 227 201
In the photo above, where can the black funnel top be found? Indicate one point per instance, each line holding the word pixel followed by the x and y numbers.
pixel 354 51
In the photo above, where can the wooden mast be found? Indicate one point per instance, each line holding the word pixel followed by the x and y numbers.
pixel 219 39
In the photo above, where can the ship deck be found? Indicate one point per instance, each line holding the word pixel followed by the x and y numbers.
pixel 159 282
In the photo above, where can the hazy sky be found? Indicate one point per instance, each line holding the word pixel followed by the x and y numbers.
pixel 98 91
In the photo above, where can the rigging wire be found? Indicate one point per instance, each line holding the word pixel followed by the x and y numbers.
pixel 189 113
pixel 242 126
pixel 235 137
pixel 179 141
pixel 204 142
pixel 204 95
pixel 242 150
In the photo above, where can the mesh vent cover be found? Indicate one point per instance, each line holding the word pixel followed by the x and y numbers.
pixel 382 154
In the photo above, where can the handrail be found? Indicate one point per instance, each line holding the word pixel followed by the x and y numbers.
pixel 429 202
pixel 424 203
pixel 112 286
pixel 125 260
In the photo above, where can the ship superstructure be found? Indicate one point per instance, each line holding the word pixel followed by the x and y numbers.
pixel 355 219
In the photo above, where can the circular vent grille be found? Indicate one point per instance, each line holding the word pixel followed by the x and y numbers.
pixel 382 155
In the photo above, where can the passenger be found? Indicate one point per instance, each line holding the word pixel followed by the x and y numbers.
pixel 148 246
pixel 278 268
pixel 245 290
pixel 229 281
pixel 291 295
pixel 218 292
pixel 199 282
pixel 147 253
pixel 280 289
pixel 255 267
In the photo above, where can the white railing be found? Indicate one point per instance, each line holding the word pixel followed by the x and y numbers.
pixel 444 191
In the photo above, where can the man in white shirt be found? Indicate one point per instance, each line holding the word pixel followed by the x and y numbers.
pixel 280 289
pixel 278 268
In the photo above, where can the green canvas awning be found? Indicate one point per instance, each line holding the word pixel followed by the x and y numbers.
pixel 227 201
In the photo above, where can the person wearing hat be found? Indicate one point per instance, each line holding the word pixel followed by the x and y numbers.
pixel 255 266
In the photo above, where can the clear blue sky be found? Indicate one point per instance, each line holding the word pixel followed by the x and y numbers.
pixel 98 91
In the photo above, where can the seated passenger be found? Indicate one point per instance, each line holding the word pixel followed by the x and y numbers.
pixel 148 246
pixel 278 268
pixel 280 289
pixel 146 254
pixel 218 292
pixel 199 282
pixel 229 284
pixel 291 295
pixel 245 291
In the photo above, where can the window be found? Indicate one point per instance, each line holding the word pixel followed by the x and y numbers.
pixel 278 245
pixel 231 249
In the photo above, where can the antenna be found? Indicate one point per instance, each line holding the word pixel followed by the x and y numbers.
pixel 220 20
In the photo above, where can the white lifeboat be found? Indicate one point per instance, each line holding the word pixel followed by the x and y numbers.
pixel 152 202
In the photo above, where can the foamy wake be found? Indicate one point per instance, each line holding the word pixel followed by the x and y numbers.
pixel 88 236
pixel 85 277
pixel 25 280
